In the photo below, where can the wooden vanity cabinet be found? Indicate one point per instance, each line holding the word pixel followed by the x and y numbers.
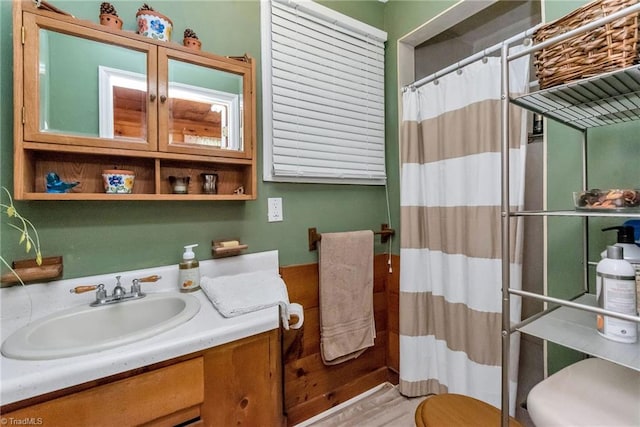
pixel 239 383
pixel 89 98
pixel 243 386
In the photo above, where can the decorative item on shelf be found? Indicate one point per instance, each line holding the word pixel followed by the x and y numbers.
pixel 226 248
pixel 239 190
pixel 118 181
pixel 209 183
pixel 57 185
pixel 180 184
pixel 614 200
pixel 109 17
pixel 191 39
pixel 153 24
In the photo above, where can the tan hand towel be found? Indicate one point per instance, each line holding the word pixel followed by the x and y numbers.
pixel 346 295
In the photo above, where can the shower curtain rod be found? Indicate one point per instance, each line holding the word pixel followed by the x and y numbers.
pixel 470 59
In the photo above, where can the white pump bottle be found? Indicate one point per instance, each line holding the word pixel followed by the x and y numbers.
pixel 616 291
pixel 631 251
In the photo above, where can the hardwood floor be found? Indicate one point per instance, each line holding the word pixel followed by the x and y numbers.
pixel 382 406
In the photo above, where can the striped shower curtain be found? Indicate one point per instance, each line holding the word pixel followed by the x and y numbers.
pixel 450 253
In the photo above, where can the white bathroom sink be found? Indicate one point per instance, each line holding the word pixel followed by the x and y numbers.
pixel 85 329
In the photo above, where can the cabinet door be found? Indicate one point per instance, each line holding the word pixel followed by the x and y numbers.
pixel 243 383
pixel 88 88
pixel 205 105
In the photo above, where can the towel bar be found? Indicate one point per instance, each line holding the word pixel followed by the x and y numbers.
pixel 385 233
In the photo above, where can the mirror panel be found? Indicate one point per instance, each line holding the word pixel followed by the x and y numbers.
pixel 75 99
pixel 205 106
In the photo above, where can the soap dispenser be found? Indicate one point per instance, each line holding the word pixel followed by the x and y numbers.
pixel 626 240
pixel 616 291
pixel 189 271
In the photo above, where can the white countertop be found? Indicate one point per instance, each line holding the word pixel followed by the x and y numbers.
pixel 22 379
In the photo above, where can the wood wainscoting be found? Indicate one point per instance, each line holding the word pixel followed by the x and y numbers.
pixel 310 387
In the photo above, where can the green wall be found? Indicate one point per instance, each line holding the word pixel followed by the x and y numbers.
pixel 400 17
pixel 104 237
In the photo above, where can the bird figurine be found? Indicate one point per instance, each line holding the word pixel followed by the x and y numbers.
pixel 56 185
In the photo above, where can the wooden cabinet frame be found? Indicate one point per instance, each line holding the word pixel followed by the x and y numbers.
pixel 154 159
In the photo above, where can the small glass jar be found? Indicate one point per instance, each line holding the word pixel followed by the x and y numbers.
pixel 179 184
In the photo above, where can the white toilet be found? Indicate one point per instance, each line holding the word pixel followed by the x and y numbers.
pixel 592 392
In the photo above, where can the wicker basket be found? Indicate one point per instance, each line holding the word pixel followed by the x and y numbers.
pixel 606 48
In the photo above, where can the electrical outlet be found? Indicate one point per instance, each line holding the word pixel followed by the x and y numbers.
pixel 274 211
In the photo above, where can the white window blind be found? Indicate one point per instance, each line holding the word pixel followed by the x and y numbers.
pixel 323 95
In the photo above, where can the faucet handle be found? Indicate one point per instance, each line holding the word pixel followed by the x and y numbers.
pixel 83 288
pixel 136 289
pixel 101 294
pixel 149 279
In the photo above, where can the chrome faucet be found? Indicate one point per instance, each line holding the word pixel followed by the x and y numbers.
pixel 119 293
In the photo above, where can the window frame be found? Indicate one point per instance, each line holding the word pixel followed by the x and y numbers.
pixel 332 18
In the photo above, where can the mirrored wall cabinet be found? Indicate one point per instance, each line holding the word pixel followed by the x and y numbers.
pixel 90 98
